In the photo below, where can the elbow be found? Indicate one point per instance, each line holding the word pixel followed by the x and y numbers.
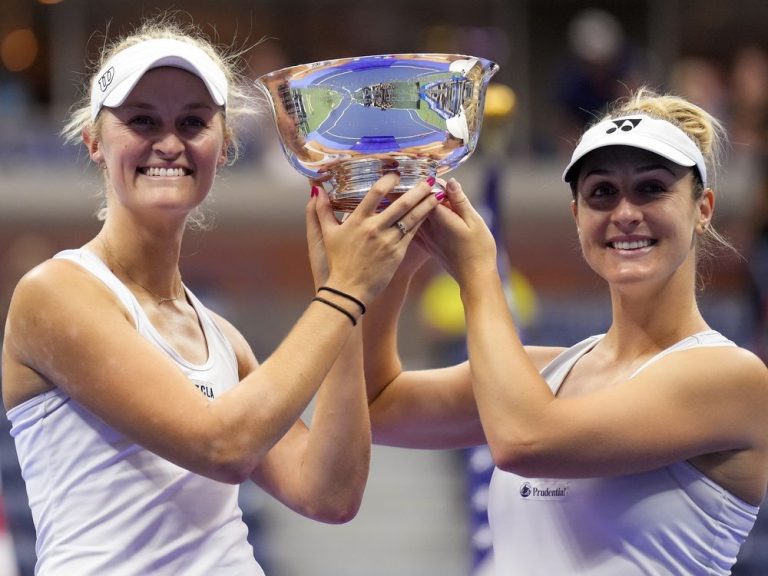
pixel 519 456
pixel 339 514
pixel 338 504
pixel 335 510
pixel 227 471
pixel 229 475
pixel 229 461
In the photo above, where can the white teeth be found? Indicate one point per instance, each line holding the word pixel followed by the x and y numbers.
pixel 153 171
pixel 631 245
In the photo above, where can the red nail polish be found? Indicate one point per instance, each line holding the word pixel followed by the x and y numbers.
pixel 440 195
pixel 315 191
pixel 431 180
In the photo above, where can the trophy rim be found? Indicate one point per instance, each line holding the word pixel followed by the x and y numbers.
pixel 343 165
pixel 447 56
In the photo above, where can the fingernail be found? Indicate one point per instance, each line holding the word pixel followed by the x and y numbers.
pixel 440 195
pixel 315 191
pixel 431 180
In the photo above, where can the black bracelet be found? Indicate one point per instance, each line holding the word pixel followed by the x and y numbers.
pixel 344 295
pixel 339 308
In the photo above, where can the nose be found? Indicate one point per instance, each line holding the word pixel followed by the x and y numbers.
pixel 168 145
pixel 626 212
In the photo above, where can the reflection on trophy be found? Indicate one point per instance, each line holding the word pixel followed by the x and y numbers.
pixel 349 121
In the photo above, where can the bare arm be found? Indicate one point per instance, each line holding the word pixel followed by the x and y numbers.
pixel 67 329
pixel 687 404
pixel 321 471
pixel 432 408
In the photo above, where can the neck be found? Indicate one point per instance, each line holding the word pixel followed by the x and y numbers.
pixel 655 320
pixel 154 273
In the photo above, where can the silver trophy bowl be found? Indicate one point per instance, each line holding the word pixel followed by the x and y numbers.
pixel 348 121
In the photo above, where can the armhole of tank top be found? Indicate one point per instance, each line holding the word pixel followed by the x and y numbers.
pixel 555 372
pixel 212 328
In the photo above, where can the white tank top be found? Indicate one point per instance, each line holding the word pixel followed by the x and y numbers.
pixel 103 505
pixel 673 521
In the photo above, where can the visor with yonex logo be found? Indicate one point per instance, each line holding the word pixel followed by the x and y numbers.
pixel 640 131
pixel 120 73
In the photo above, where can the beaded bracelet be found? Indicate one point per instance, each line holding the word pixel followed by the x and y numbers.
pixel 337 307
pixel 344 295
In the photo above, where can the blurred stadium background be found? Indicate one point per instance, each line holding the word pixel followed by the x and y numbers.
pixel 561 61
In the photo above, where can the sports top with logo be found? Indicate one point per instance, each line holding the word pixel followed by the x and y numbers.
pixel 669 521
pixel 103 504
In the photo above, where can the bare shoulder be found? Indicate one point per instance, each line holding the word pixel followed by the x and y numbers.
pixel 749 368
pixel 543 355
pixel 726 377
pixel 246 360
pixel 57 288
pixel 50 307
pixel 723 364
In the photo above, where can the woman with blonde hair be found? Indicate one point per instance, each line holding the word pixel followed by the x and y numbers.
pixel 135 410
pixel 643 450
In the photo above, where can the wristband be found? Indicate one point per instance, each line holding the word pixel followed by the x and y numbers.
pixel 337 307
pixel 344 295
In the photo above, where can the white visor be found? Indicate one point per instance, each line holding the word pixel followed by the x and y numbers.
pixel 639 131
pixel 120 74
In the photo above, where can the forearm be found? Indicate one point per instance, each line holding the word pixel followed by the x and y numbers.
pixel 254 415
pixel 380 331
pixel 509 391
pixel 336 458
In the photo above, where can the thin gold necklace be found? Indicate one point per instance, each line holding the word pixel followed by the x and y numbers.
pixel 160 299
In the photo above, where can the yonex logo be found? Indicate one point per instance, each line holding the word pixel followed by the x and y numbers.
pixel 106 78
pixel 624 125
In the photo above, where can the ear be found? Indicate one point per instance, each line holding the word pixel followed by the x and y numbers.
pixel 575 212
pixel 93 144
pixel 706 206
pixel 223 156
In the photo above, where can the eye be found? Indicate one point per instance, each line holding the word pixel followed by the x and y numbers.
pixel 141 120
pixel 194 122
pixel 600 192
pixel 652 188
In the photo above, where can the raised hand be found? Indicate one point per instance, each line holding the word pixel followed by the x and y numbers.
pixel 457 235
pixel 364 250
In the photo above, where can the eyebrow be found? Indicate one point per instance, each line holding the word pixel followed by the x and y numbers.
pixel 640 169
pixel 148 106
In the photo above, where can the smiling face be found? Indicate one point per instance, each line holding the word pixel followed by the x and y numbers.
pixel 637 215
pixel 162 146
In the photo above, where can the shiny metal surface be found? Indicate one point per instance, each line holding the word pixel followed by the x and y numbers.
pixel 349 120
